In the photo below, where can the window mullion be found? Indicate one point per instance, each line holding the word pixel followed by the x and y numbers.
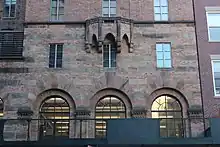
pixel 58 4
pixel 9 12
pixel 109 7
pixel 55 57
pixel 109 56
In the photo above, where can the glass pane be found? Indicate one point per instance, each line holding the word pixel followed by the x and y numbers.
pixel 53 17
pixel 167 63
pixel 105 11
pixel 157 17
pixel 112 10
pixel 166 47
pixel 217 80
pixel 156 9
pixel 113 3
pixel 61 4
pixel 164 17
pixel 167 55
pixel 159 55
pixel 54 3
pixel 54 11
pixel 105 3
pixel 159 47
pixel 156 2
pixel 61 10
pixel 164 9
pixel 61 17
pixel 159 63
pixel 214 19
pixel 214 33
pixel 216 65
pixel 164 2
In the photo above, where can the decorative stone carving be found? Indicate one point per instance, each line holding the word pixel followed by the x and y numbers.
pixel 82 112
pixel 131 47
pixel 88 47
pixel 139 113
pixel 98 27
pixel 195 113
pixel 24 113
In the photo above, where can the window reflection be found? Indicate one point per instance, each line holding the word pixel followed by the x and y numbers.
pixel 108 108
pixel 54 113
pixel 170 112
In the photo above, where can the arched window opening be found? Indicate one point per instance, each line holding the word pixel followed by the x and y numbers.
pixel 94 42
pixel 109 51
pixel 1 108
pixel 125 43
pixel 54 115
pixel 169 111
pixel 109 107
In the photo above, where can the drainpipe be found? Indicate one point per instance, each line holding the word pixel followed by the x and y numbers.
pixel 194 15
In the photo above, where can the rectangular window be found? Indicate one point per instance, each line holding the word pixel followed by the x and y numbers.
pixel 160 10
pixel 9 8
pixel 216 76
pixel 213 21
pixel 109 56
pixel 163 51
pixel 57 10
pixel 56 55
pixel 109 8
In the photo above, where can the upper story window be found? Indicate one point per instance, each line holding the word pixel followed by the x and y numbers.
pixel 109 52
pixel 9 8
pixel 109 8
pixel 163 51
pixel 56 55
pixel 216 76
pixel 57 10
pixel 160 10
pixel 213 21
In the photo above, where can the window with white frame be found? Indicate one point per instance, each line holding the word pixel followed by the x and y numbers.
pixel 109 8
pixel 55 55
pixel 216 76
pixel 160 10
pixel 109 56
pixel 213 21
pixel 57 10
pixel 9 8
pixel 163 51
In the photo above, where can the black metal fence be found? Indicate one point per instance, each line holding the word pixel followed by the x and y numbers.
pixel 40 129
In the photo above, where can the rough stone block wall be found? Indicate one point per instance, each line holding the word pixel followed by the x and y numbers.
pixel 79 10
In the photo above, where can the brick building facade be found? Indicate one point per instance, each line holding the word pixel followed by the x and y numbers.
pixel 146 50
pixel 208 14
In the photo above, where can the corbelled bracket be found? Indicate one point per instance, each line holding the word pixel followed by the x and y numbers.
pixel 139 113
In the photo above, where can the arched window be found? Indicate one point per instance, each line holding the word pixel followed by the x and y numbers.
pixel 109 51
pixel 169 111
pixel 1 108
pixel 55 114
pixel 109 107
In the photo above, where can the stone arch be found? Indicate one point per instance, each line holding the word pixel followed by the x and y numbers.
pixel 109 38
pixel 170 92
pixel 111 92
pixel 54 92
pixel 125 43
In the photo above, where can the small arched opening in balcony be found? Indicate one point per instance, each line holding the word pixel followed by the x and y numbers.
pixel 109 51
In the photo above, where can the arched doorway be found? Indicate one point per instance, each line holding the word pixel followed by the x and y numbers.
pixel 169 110
pixel 109 107
pixel 54 114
